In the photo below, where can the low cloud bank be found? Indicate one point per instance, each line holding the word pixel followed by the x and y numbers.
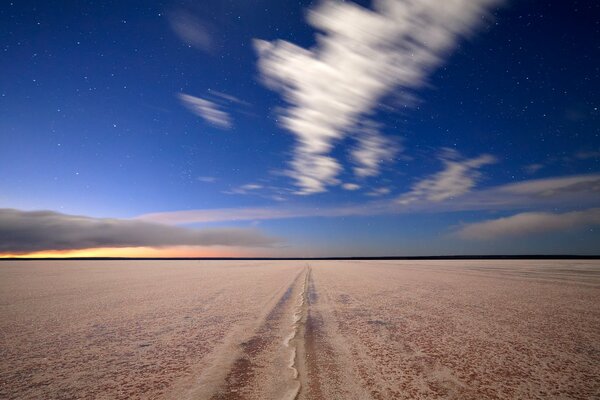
pixel 31 231
pixel 530 223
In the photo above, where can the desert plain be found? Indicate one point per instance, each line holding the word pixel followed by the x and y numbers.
pixel 460 329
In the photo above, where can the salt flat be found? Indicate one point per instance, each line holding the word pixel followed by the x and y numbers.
pixel 293 329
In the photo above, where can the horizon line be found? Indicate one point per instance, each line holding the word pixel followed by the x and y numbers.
pixel 442 257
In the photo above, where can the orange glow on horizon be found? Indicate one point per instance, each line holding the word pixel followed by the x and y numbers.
pixel 150 252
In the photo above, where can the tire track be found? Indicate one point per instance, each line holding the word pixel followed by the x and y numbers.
pixel 252 374
pixel 295 340
pixel 327 363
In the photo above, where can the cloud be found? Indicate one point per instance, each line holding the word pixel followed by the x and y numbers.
pixel 350 186
pixel 229 98
pixel 207 110
pixel 458 177
pixel 372 149
pixel 585 155
pixel 207 179
pixel 251 186
pixel 382 191
pixel 245 189
pixel 360 56
pixel 533 168
pixel 577 185
pixel 191 30
pixel 252 214
pixel 571 191
pixel 530 223
pixel 31 231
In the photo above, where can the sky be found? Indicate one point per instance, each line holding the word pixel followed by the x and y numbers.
pixel 299 129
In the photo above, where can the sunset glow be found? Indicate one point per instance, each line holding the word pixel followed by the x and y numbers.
pixel 132 252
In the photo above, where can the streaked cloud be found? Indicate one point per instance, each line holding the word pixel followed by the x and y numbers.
pixel 34 231
pixel 350 186
pixel 252 214
pixel 554 187
pixel 245 189
pixel 573 191
pixel 229 98
pixel 207 110
pixel 382 191
pixel 570 191
pixel 533 168
pixel 191 30
pixel 562 160
pixel 207 179
pixel 372 150
pixel 586 155
pixel 458 177
pixel 360 56
pixel 530 223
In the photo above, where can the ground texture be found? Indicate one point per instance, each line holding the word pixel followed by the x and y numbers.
pixel 300 330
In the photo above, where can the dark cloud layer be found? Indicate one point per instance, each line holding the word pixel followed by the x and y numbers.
pixel 30 231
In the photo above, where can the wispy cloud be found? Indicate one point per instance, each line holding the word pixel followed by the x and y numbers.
pixel 382 191
pixel 31 231
pixel 577 185
pixel 458 177
pixel 207 110
pixel 571 191
pixel 532 168
pixel 585 155
pixel 361 56
pixel 191 30
pixel 562 160
pixel 371 151
pixel 530 223
pixel 253 214
pixel 207 179
pixel 229 98
pixel 245 189
pixel 350 186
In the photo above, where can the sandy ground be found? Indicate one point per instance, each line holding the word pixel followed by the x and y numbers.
pixel 291 329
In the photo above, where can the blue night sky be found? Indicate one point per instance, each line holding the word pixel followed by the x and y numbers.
pixel 284 128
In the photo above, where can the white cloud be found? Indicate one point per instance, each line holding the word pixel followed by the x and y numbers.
pixel 361 56
pixel 245 189
pixel 228 97
pixel 207 179
pixel 207 110
pixel 458 177
pixel 371 151
pixel 350 186
pixel 382 191
pixel 530 223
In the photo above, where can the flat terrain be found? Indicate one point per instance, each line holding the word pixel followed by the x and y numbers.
pixel 307 330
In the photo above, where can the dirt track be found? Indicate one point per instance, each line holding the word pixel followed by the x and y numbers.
pixel 285 330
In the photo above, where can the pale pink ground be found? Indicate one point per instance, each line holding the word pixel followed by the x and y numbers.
pixel 369 329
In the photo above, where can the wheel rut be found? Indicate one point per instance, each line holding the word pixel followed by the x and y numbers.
pixel 267 363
